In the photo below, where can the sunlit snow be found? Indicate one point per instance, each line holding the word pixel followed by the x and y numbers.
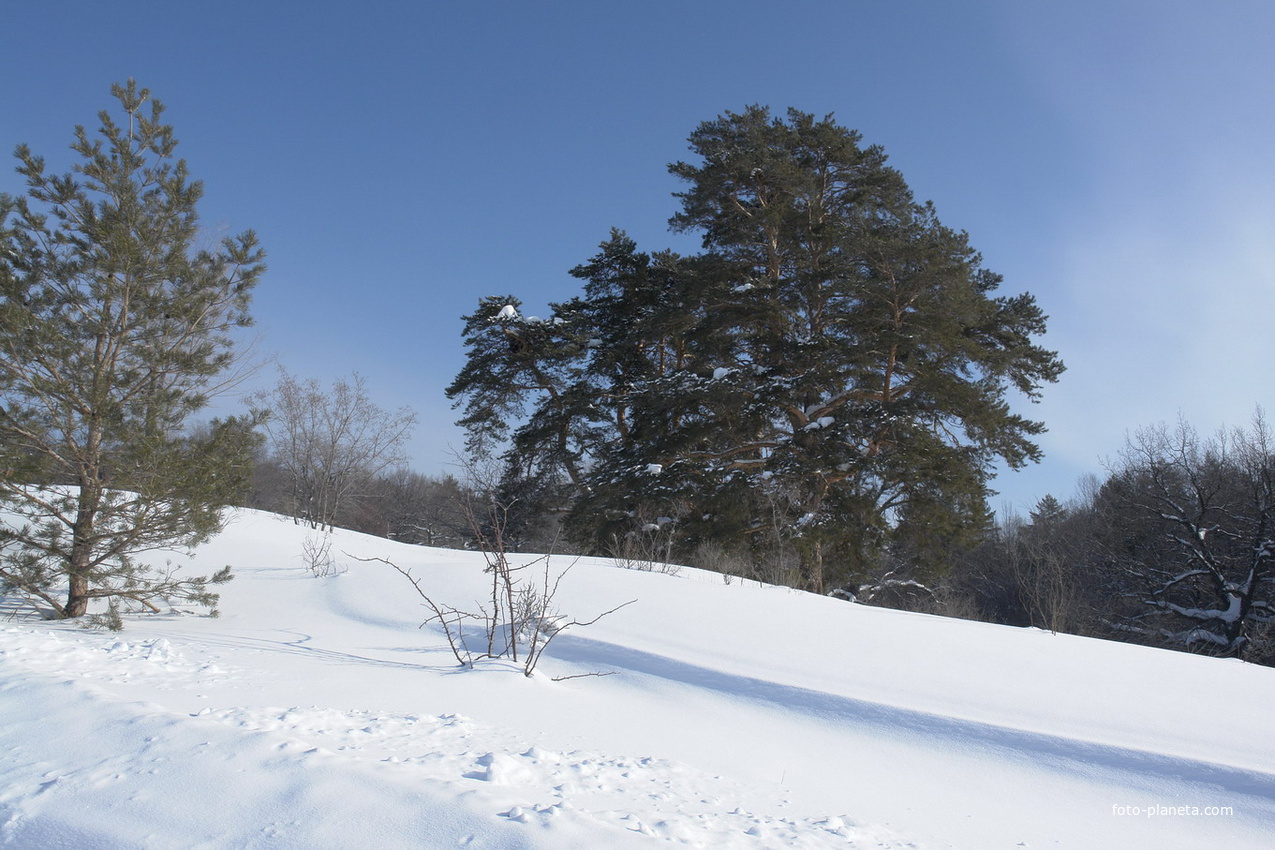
pixel 315 713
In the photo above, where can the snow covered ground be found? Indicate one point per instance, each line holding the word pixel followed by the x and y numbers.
pixel 315 713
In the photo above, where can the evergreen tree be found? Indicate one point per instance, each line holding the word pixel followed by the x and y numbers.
pixel 1047 513
pixel 833 367
pixel 115 329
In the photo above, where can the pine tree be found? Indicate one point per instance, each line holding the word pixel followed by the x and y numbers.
pixel 1047 513
pixel 115 329
pixel 830 371
pixel 871 359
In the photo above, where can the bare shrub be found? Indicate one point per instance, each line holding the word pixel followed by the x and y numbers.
pixel 648 548
pixel 316 552
pixel 518 619
pixel 517 623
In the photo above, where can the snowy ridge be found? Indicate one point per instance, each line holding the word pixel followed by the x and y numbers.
pixel 315 713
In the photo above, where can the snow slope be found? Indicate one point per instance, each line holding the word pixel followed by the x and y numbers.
pixel 315 713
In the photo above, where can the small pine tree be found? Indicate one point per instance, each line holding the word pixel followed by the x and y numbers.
pixel 1047 511
pixel 114 329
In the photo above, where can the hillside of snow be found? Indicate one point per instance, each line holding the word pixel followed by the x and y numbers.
pixel 315 713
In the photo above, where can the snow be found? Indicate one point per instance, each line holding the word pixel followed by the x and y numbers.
pixel 316 713
pixel 1229 614
pixel 508 311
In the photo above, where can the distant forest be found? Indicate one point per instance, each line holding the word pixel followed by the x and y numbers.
pixel 1171 549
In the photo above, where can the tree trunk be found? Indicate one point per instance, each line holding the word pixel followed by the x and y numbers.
pixel 77 597
pixel 811 566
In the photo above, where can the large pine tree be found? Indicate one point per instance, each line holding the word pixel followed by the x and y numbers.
pixel 832 371
pixel 114 329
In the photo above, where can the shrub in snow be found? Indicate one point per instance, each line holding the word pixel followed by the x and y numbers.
pixel 316 552
pixel 517 622
pixel 518 619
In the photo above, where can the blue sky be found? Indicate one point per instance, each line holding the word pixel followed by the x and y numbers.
pixel 401 159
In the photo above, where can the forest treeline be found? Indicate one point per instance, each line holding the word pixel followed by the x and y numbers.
pixel 1170 548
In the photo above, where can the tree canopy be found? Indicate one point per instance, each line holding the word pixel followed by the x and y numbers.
pixel 829 376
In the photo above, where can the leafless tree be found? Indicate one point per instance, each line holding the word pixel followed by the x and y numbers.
pixel 332 444
pixel 1195 536
pixel 1044 577
pixel 413 508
